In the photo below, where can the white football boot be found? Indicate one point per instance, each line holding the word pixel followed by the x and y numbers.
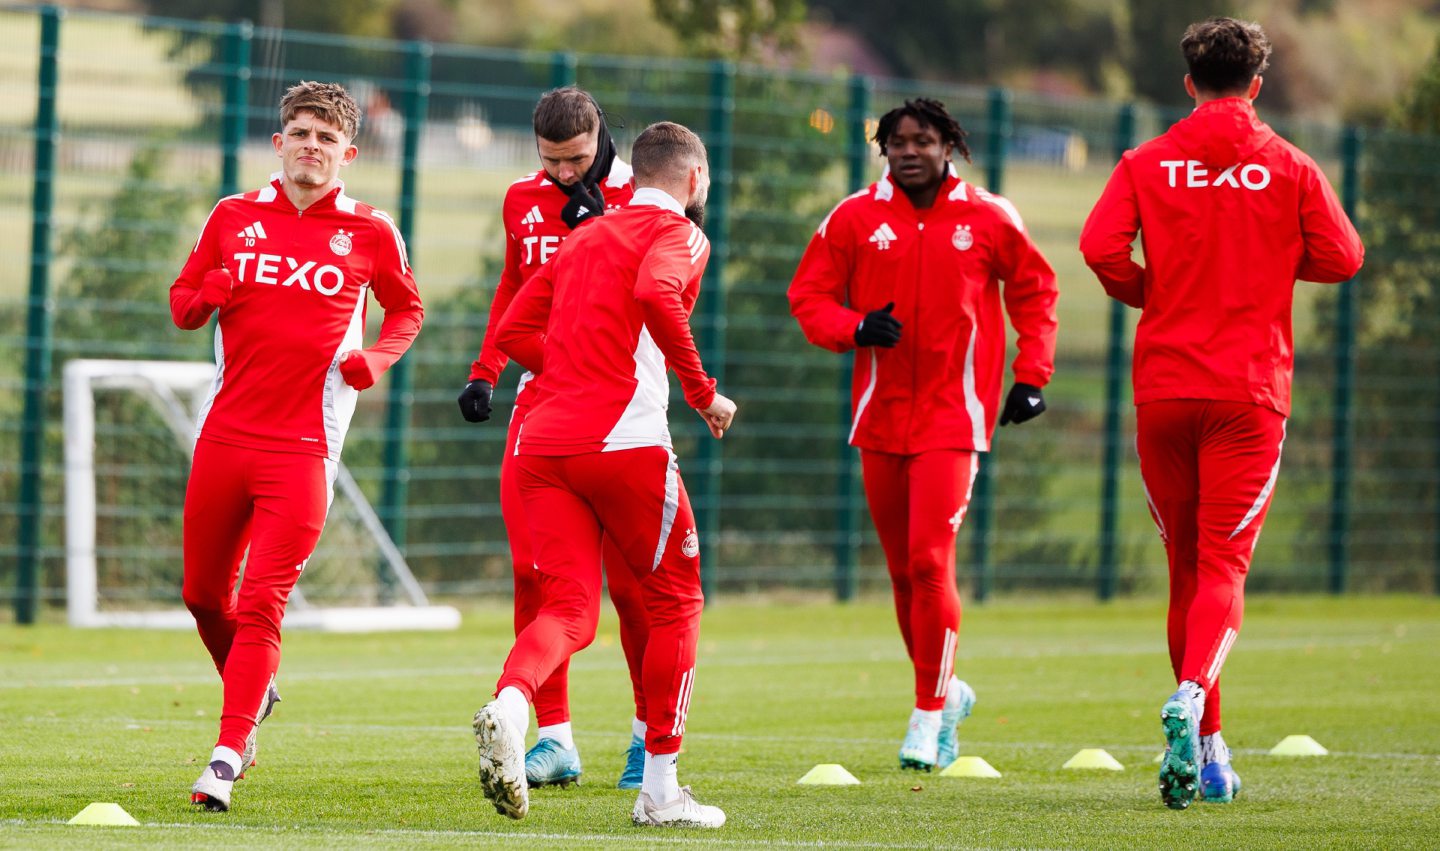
pixel 684 811
pixel 212 790
pixel 502 761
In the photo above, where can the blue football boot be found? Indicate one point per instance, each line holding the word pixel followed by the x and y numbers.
pixel 550 763
pixel 1179 767
pixel 921 747
pixel 1219 784
pixel 634 771
pixel 959 702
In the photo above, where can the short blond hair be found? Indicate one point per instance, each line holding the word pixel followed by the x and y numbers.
pixel 328 102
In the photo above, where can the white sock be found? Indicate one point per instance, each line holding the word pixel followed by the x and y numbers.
pixel 515 708
pixel 1213 749
pixel 560 733
pixel 928 718
pixel 637 728
pixel 1192 689
pixel 227 756
pixel 661 781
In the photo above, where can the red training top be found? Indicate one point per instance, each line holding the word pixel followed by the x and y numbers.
pixel 939 388
pixel 600 323
pixel 1229 215
pixel 298 302
pixel 533 233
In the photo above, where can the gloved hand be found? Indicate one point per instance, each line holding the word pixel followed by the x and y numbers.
pixel 359 370
pixel 475 401
pixel 215 288
pixel 1024 403
pixel 879 328
pixel 586 202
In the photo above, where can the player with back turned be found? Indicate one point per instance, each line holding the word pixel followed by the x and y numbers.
pixel 1230 215
pixel 580 179
pixel 911 273
pixel 290 268
pixel 600 325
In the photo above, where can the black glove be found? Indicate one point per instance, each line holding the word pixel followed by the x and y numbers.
pixel 879 328
pixel 1023 403
pixel 475 401
pixel 586 202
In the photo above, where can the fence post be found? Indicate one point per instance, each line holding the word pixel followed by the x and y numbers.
pixel 396 487
pixel 847 538
pixel 37 323
pixel 982 498
pixel 1343 428
pixel 237 44
pixel 721 143
pixel 562 69
pixel 1114 382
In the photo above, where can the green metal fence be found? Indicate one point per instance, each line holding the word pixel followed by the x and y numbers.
pixel 118 133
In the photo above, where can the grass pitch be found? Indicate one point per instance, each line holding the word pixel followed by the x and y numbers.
pixel 372 746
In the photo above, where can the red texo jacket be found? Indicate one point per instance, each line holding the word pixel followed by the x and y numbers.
pixel 301 285
pixel 600 323
pixel 943 267
pixel 1230 215
pixel 533 233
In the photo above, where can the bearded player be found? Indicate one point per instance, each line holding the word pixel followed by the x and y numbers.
pixel 580 179
pixel 599 326
pixel 289 268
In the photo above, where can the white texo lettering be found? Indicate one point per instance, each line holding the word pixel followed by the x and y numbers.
pixel 266 265
pixel 1255 176
pixel 242 259
pixel 1194 173
pixel 1170 166
pixel 332 272
pixel 299 273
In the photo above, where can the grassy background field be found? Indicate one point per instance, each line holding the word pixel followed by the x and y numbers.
pixel 372 747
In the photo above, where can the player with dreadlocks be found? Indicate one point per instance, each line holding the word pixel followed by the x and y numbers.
pixel 911 274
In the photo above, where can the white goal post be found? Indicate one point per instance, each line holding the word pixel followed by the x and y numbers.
pixel 174 390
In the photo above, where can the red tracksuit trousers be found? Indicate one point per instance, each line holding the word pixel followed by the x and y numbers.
pixel 1209 470
pixel 552 697
pixel 275 504
pixel 636 498
pixel 918 503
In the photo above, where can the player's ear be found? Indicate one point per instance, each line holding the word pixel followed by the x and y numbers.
pixel 277 140
pixel 1255 85
pixel 349 156
pixel 1190 87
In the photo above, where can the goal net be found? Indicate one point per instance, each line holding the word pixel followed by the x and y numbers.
pixel 129 437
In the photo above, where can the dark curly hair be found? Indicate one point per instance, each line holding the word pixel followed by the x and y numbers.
pixel 1225 54
pixel 927 112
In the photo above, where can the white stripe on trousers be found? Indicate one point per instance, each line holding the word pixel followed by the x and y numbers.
pixel 1226 643
pixel 671 507
pixel 947 662
pixel 682 702
pixel 1265 491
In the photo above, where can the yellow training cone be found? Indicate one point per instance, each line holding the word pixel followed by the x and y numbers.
pixel 829 774
pixel 112 814
pixel 969 766
pixel 1094 758
pixel 1298 746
